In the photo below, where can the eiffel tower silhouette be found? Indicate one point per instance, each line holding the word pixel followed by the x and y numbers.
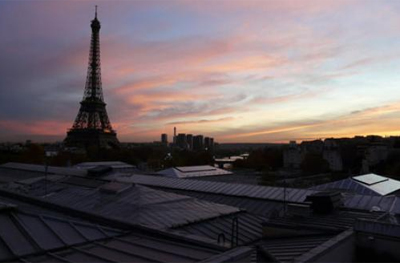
pixel 92 126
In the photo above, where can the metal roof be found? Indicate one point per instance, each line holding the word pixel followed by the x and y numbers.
pixel 115 165
pixel 193 171
pixel 308 248
pixel 367 202
pixel 24 233
pixel 42 169
pixel 249 228
pixel 129 248
pixel 242 190
pixel 370 179
pixel 337 221
pixel 137 205
pixel 254 198
pixel 11 175
pixel 232 178
pixel 38 237
pixel 380 184
pixel 289 248
pixel 258 207
pixel 380 228
pixel 368 184
pixel 346 185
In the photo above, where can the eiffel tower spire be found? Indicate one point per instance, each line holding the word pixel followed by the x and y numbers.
pixel 92 126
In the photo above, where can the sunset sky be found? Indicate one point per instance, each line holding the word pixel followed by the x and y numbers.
pixel 238 71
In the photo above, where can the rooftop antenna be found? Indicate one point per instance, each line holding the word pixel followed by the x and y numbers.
pixel 95 13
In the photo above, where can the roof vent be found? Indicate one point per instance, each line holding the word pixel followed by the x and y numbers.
pixel 325 202
pixel 115 187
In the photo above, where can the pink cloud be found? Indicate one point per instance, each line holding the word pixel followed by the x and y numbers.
pixel 35 127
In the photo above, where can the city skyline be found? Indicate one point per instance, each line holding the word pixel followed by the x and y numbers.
pixel 250 71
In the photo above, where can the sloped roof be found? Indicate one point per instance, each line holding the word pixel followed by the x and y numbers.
pixel 367 184
pixel 249 228
pixel 301 249
pixel 260 200
pixel 23 233
pixel 27 236
pixel 114 165
pixel 337 221
pixel 34 168
pixel 139 248
pixel 289 248
pixel 193 171
pixel 137 205
pixel 241 190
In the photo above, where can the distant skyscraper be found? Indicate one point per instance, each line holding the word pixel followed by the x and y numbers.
pixel 92 126
pixel 164 138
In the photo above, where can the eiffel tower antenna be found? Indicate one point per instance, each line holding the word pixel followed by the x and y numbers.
pixel 95 12
pixel 91 125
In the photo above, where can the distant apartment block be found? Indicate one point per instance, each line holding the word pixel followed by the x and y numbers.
pixel 189 141
pixel 181 141
pixel 198 142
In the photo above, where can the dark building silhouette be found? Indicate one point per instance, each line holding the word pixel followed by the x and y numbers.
pixel 181 141
pixel 92 126
pixel 198 142
pixel 189 141
pixel 209 143
pixel 164 138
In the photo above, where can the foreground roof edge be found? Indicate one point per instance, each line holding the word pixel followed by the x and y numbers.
pixel 111 222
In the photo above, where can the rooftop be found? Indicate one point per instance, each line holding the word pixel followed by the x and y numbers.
pixel 39 237
pixel 193 171
pixel 137 205
pixel 367 184
pixel 114 165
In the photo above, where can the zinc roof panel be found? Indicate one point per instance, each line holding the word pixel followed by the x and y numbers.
pixel 14 238
pixel 65 231
pixel 365 202
pixel 150 254
pixel 181 249
pixel 246 190
pixel 40 231
pixel 89 232
pixel 5 252
pixel 233 189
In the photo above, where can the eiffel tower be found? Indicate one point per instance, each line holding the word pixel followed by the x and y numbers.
pixel 92 126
